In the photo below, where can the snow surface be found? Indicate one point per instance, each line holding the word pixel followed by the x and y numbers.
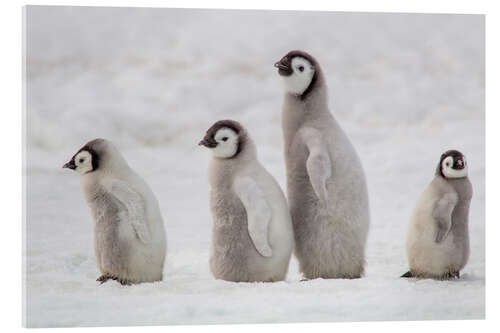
pixel 405 88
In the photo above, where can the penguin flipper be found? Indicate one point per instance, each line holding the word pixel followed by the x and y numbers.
pixel 442 215
pixel 259 213
pixel 408 274
pixel 318 164
pixel 132 206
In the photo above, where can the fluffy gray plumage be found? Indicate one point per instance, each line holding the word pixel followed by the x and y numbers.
pixel 326 184
pixel 438 237
pixel 252 235
pixel 129 235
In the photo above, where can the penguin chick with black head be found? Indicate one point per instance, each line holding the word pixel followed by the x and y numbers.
pixel 326 184
pixel 437 243
pixel 129 235
pixel 252 234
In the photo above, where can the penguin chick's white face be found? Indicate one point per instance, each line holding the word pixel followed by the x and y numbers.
pixel 227 143
pixel 454 167
pixel 225 138
pixel 300 78
pixel 83 162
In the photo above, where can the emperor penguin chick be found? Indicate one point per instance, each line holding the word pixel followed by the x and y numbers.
pixel 252 234
pixel 326 185
pixel 437 243
pixel 129 236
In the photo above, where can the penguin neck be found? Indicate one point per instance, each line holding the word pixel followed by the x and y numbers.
pixel 462 186
pixel 223 170
pixel 112 164
pixel 115 164
pixel 313 107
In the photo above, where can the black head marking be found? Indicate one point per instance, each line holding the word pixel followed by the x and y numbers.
pixel 285 68
pixel 458 161
pixel 209 139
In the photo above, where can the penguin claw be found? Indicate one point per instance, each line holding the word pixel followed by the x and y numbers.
pixel 452 275
pixel 123 282
pixel 103 278
pixel 407 275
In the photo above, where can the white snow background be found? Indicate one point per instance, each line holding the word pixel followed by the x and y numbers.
pixel 405 87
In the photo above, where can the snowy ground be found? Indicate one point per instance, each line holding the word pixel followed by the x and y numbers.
pixel 404 87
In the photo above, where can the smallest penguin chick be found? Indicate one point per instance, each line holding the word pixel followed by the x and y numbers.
pixel 129 236
pixel 252 235
pixel 438 237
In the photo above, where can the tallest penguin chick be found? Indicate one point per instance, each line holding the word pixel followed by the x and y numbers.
pixel 326 184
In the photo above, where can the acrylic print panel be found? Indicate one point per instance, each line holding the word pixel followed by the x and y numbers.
pixel 404 87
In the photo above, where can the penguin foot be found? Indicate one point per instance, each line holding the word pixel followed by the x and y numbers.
pixel 103 278
pixel 123 282
pixel 408 274
pixel 451 275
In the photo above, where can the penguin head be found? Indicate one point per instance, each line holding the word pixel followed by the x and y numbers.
pixel 298 70
pixel 453 164
pixel 88 158
pixel 225 139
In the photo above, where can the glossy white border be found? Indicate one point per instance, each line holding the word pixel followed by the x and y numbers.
pixel 11 134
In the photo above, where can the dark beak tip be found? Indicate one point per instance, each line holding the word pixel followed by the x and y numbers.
pixel 207 143
pixel 69 165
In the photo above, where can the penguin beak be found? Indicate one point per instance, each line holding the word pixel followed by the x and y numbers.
pixel 460 165
pixel 284 67
pixel 70 165
pixel 207 143
pixel 280 65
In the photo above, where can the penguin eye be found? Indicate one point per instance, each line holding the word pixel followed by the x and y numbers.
pixel 448 164
pixel 81 160
pixel 301 68
pixel 224 138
